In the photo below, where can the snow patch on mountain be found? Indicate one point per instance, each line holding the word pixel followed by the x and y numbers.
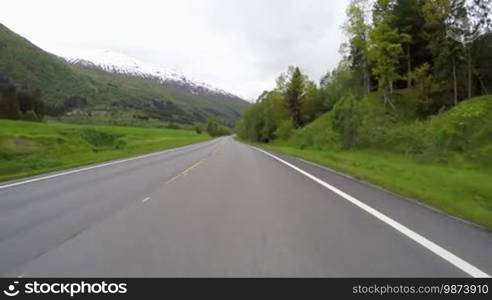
pixel 115 62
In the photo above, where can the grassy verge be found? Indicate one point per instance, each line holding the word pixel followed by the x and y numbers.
pixel 28 148
pixel 465 192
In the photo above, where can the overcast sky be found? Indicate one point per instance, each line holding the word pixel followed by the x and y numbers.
pixel 238 45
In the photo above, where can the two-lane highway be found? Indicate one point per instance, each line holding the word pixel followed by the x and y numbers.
pixel 41 213
pixel 222 208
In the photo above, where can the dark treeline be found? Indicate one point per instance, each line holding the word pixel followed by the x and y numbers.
pixel 439 52
pixel 17 104
pixel 28 104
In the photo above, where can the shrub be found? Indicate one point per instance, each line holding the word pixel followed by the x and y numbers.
pixel 214 129
pixel 284 131
pixel 102 140
pixel 318 135
pixel 346 120
pixel 198 129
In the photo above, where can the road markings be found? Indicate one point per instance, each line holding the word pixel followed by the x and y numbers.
pixel 185 172
pixel 194 166
pixel 88 168
pixel 20 276
pixel 217 148
pixel 146 199
pixel 433 247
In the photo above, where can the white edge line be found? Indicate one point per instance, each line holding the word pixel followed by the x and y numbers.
pixel 372 185
pixel 146 199
pixel 90 168
pixel 433 247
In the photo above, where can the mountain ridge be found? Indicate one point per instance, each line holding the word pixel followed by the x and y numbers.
pixel 76 88
pixel 115 62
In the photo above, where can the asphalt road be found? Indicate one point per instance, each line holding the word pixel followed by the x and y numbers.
pixel 221 208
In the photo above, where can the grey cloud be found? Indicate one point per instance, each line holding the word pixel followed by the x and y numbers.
pixel 238 45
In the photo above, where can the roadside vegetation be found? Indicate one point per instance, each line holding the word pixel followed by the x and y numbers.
pixel 445 161
pixel 20 105
pixel 215 129
pixel 408 107
pixel 29 148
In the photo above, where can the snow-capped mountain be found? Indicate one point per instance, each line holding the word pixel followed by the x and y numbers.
pixel 114 62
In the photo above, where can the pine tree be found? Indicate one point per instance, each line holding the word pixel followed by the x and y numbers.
pixel 294 95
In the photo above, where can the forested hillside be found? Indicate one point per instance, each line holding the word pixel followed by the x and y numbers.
pixel 409 106
pixel 416 58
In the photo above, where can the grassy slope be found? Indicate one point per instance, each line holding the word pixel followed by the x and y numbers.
pixel 136 95
pixel 30 67
pixel 28 148
pixel 457 181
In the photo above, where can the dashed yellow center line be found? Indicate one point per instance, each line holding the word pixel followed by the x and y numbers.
pixel 185 172
pixel 217 148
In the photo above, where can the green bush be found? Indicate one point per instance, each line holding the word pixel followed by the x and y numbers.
pixel 462 133
pixel 284 131
pixel 102 140
pixel 215 129
pixel 346 120
pixel 466 127
pixel 198 129
pixel 318 135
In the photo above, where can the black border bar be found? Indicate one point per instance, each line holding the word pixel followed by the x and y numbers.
pixel 252 288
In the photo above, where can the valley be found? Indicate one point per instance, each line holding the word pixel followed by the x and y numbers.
pixel 114 91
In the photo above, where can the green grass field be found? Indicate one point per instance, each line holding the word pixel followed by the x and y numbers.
pixel 463 191
pixel 29 148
